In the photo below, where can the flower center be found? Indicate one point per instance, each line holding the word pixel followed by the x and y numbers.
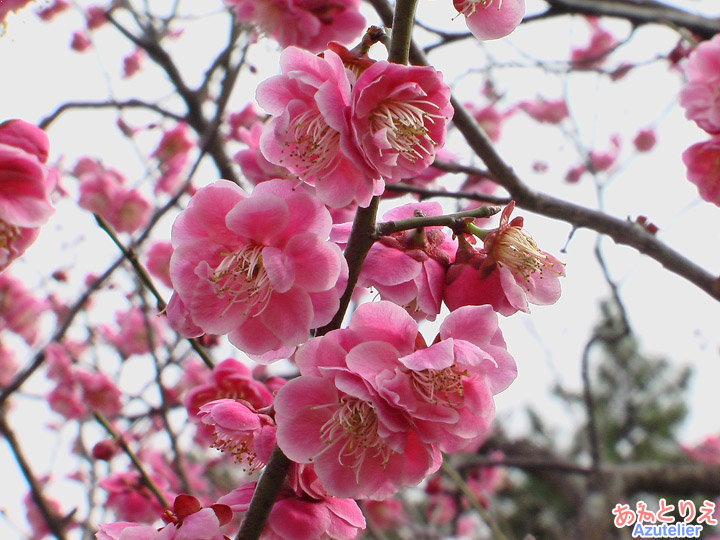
pixel 468 7
pixel 355 425
pixel 313 145
pixel 242 277
pixel 440 386
pixel 404 122
pixel 8 234
pixel 518 251
pixel 241 448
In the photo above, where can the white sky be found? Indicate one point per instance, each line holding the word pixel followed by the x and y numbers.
pixel 673 318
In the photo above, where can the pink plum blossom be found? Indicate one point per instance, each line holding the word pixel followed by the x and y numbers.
pixel 172 153
pixel 14 241
pixel 408 268
pixel 601 44
pixel 130 499
pixel 573 175
pixel 491 19
pixel 132 63
pixel 25 187
pixel 549 111
pixel 187 521
pixel 80 41
pixel 308 24
pixel 20 310
pixel 296 517
pixel 490 119
pixel 602 160
pixel 309 133
pixel 236 427
pixel 8 365
pixel 703 168
pixel 48 13
pixel 99 393
pixel 701 94
pixel 35 517
pixel 11 5
pixel 507 274
pixel 645 140
pixel 103 192
pixel 158 261
pixel 230 379
pixel 374 405
pixel 398 118
pixel 252 162
pixel 707 452
pixel 95 17
pixel 137 332
pixel 244 119
pixel 256 267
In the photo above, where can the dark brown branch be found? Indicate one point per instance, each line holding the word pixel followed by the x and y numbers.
pixel 128 104
pixel 639 12
pixel 193 100
pixel 55 523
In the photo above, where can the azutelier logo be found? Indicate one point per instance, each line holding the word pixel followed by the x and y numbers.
pixel 660 523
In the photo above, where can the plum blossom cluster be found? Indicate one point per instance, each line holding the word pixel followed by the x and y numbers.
pixel 374 406
pixel 347 125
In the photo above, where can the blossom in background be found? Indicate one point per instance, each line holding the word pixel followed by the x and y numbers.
pixel 172 153
pixel 130 498
pixel 158 261
pixel 50 12
pixel 308 24
pixel 104 192
pixel 703 168
pixel 549 111
pixel 20 310
pixel 594 54
pixel 490 118
pixel 603 160
pixel 491 19
pixel 645 140
pixel 138 332
pixel 256 267
pixel 507 273
pixel 80 41
pixel 701 94
pixel 132 63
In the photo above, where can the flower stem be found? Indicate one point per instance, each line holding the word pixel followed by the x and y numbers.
pixel 402 31
pixel 449 220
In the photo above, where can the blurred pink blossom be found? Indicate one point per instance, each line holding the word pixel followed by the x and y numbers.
pixel 309 24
